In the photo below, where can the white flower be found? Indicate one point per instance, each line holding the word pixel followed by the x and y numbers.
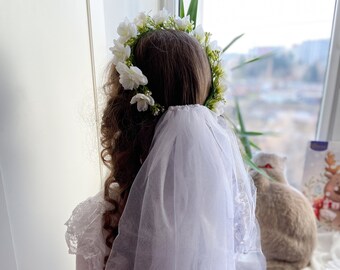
pixel 182 23
pixel 141 19
pixel 130 77
pixel 214 46
pixel 126 30
pixel 120 52
pixel 143 101
pixel 161 16
pixel 199 34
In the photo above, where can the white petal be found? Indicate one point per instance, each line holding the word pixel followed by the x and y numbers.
pixel 141 19
pixel 142 105
pixel 121 29
pixel 130 77
pixel 123 39
pixel 199 33
pixel 122 69
pixel 137 76
pixel 182 23
pixel 214 46
pixel 161 16
pixel 126 82
pixel 151 101
pixel 133 30
pixel 120 52
pixel 126 30
pixel 137 98
pixel 142 101
pixel 133 100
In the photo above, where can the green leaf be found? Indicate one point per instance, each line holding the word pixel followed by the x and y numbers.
pixel 258 58
pixel 250 133
pixel 232 42
pixel 181 8
pixel 239 116
pixel 244 140
pixel 254 133
pixel 192 10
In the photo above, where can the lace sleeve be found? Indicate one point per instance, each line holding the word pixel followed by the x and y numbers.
pixel 84 235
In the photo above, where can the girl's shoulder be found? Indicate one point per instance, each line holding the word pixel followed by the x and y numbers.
pixel 84 234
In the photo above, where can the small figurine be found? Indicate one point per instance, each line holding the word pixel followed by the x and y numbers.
pixel 327 209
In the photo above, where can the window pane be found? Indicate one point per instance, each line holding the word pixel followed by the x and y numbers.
pixel 281 93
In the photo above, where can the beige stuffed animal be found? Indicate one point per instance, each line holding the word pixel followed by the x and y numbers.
pixel 286 218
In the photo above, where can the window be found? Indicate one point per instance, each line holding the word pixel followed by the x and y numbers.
pixel 281 93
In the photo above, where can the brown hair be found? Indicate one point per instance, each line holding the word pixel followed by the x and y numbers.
pixel 178 73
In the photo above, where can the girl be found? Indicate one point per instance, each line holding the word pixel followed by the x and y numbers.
pixel 178 195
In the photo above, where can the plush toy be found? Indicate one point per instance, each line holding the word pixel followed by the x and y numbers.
pixel 327 209
pixel 285 216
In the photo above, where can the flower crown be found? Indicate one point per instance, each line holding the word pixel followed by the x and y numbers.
pixel 132 78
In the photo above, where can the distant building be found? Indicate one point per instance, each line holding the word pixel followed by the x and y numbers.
pixel 312 51
pixel 257 51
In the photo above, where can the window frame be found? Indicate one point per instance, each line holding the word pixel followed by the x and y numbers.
pixel 329 118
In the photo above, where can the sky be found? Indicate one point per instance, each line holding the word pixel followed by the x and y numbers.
pixel 266 22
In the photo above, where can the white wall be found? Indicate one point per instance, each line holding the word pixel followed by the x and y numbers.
pixel 52 57
pixel 49 153
pixel 7 257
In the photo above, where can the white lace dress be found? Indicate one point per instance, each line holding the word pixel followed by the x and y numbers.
pixel 84 235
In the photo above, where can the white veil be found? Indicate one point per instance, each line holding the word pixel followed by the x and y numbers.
pixel 192 204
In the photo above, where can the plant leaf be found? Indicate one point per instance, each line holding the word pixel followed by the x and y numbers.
pixel 192 11
pixel 258 58
pixel 254 133
pixel 181 8
pixel 232 42
pixel 244 140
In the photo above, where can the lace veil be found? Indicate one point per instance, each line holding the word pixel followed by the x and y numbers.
pixel 192 204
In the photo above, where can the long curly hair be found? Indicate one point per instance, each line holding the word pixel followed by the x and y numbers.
pixel 178 73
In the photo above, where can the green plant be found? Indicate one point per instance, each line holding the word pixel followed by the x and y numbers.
pixel 192 10
pixel 245 140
